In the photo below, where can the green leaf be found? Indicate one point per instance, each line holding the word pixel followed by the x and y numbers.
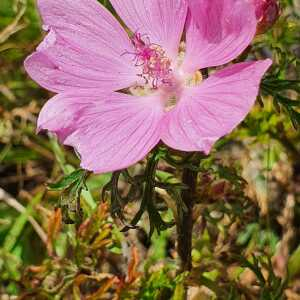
pixel 19 224
pixel 294 263
pixel 67 180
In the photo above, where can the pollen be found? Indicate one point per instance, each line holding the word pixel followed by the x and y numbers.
pixel 195 79
pixel 156 66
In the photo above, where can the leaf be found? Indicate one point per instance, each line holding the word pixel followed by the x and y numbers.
pixel 102 290
pixel 294 263
pixel 254 267
pixel 106 281
pixel 54 227
pixel 180 288
pixel 67 180
pixel 180 292
pixel 133 274
pixel 20 155
pixel 15 232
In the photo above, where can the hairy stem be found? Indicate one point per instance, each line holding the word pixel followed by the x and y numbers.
pixel 185 223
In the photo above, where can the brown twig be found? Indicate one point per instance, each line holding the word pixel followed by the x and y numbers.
pixel 15 26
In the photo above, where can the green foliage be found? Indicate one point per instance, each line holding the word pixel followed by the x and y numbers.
pixel 271 288
pixel 69 234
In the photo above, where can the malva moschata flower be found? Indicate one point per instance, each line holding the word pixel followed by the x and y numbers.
pixel 267 13
pixel 120 94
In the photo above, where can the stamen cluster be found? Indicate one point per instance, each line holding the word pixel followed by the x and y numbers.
pixel 156 66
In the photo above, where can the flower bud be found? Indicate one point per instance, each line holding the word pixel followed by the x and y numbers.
pixel 267 13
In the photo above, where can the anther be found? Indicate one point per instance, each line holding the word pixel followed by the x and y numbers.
pixel 156 66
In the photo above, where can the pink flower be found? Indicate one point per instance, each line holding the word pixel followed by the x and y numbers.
pixel 267 13
pixel 118 96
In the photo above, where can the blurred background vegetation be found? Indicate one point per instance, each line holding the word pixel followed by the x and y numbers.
pixel 59 241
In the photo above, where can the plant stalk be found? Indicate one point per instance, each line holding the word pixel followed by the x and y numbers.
pixel 186 222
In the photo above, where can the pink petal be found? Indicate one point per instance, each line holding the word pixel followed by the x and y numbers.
pixel 61 113
pixel 110 135
pixel 213 109
pixel 218 32
pixel 267 13
pixel 161 20
pixel 85 48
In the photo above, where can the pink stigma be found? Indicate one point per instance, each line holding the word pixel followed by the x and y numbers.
pixel 156 66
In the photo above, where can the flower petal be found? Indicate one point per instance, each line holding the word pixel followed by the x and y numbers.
pixel 110 135
pixel 161 20
pixel 85 47
pixel 213 109
pixel 218 31
pixel 61 113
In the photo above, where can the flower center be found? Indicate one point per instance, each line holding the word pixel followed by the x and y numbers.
pixel 161 75
pixel 156 66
